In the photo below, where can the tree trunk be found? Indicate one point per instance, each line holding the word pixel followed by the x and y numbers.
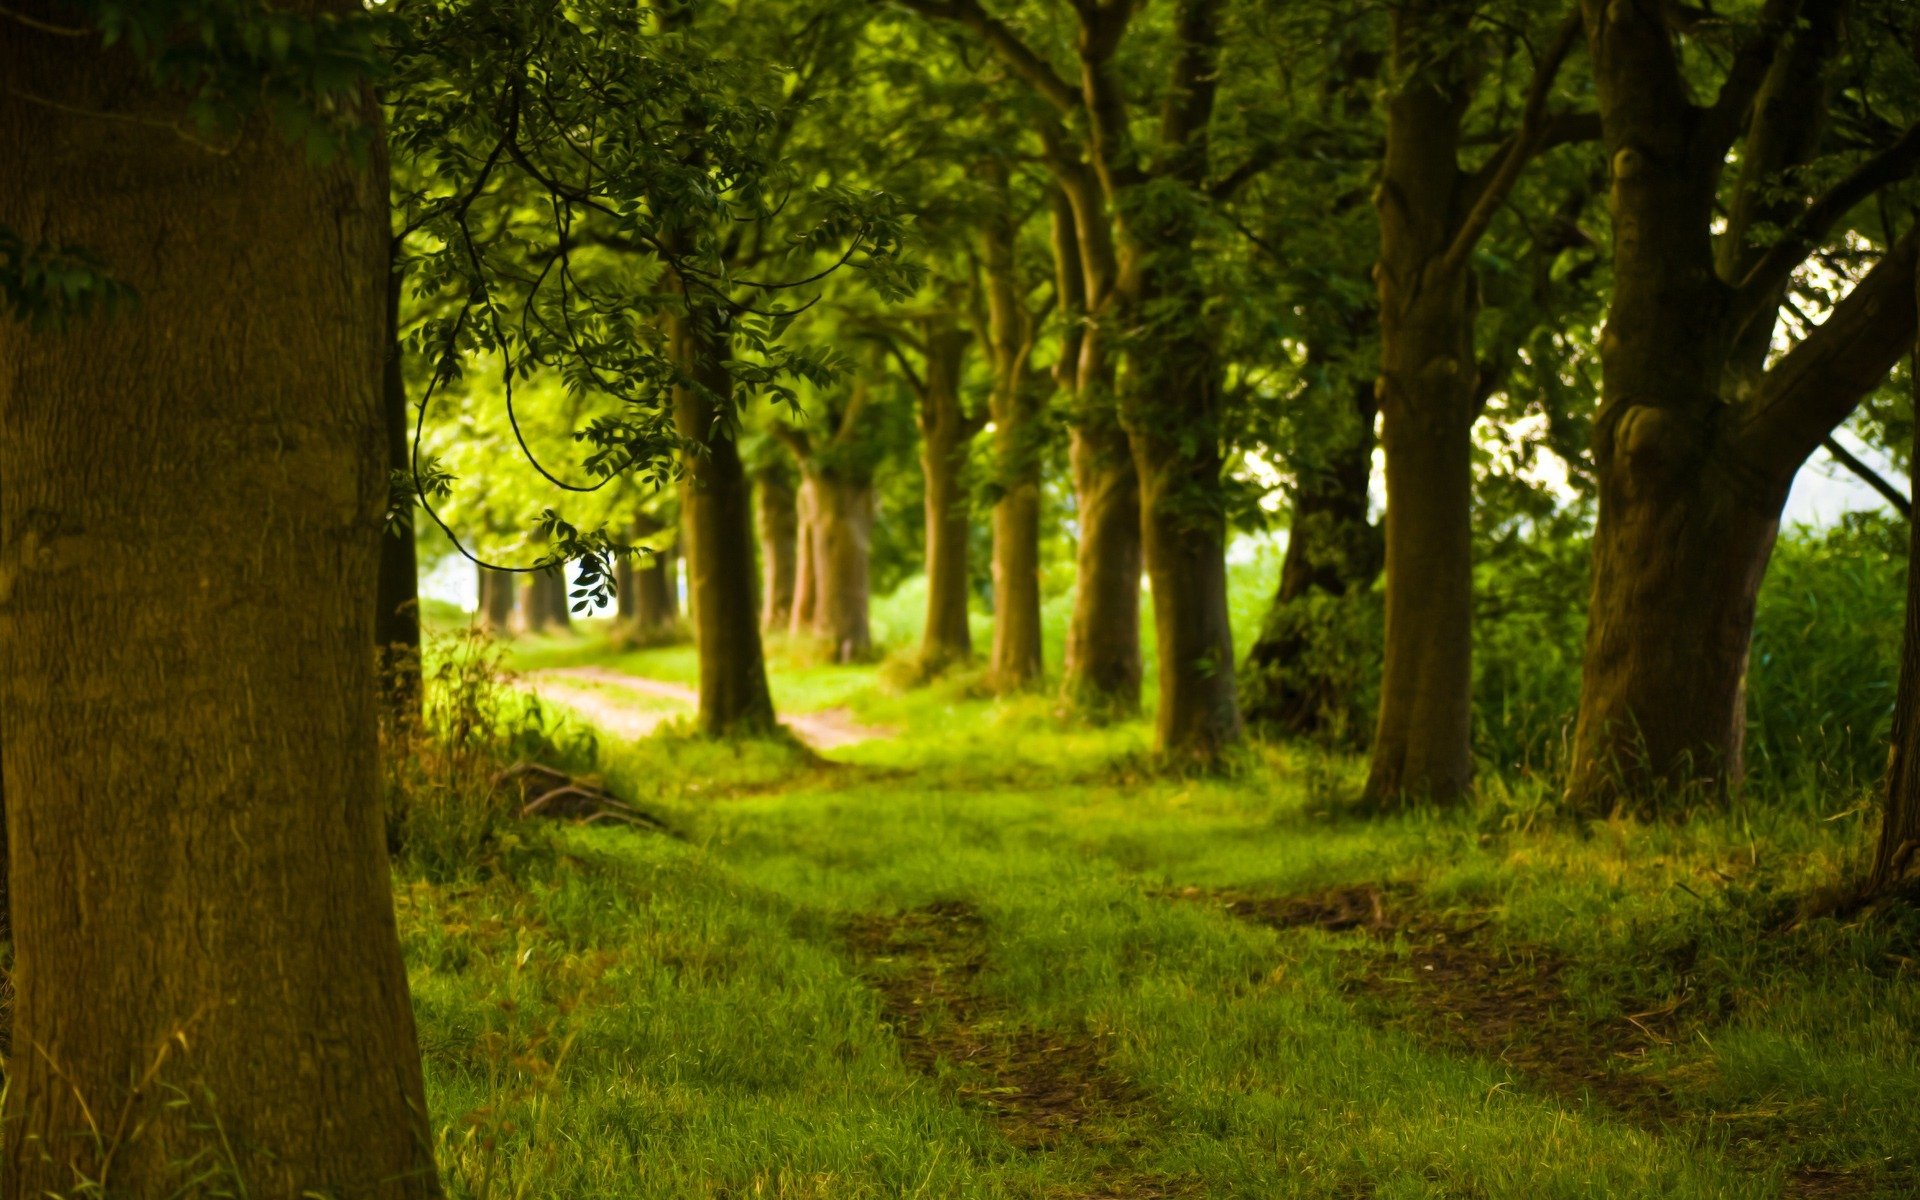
pixel 1428 394
pixel 656 603
pixel 623 584
pixel 1100 675
pixel 1017 404
pixel 806 568
pixel 946 435
pixel 779 533
pixel 543 601
pixel 1895 855
pixel 842 523
pixel 206 961
pixel 1332 550
pixel 716 518
pixel 1172 412
pixel 397 619
pixel 496 600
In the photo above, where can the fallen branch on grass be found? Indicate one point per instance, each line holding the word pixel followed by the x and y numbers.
pixel 547 792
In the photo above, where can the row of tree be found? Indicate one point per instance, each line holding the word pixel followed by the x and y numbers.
pixel 624 216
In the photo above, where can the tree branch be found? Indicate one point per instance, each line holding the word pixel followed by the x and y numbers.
pixel 1763 281
pixel 1820 381
pixel 1723 121
pixel 1525 143
pixel 1019 57
pixel 1872 478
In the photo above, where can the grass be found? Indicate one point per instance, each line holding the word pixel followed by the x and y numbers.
pixel 991 957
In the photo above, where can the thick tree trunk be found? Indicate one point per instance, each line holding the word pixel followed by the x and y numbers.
pixel 396 624
pixel 806 568
pixel 1172 411
pixel 779 534
pixel 842 523
pixel 716 517
pixel 946 435
pixel 496 600
pixel 206 962
pixel 543 601
pixel 1428 394
pixel 1332 550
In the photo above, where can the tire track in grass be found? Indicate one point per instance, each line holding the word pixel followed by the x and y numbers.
pixel 1459 991
pixel 1044 1089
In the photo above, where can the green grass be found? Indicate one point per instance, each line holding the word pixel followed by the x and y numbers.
pixel 623 1014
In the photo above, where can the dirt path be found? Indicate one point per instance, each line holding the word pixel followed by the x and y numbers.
pixel 583 689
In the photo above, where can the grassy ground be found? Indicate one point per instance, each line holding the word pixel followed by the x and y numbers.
pixel 991 956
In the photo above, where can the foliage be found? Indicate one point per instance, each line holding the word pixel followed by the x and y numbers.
pixel 452 812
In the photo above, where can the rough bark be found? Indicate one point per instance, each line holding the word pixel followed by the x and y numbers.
pixel 206 961
pixel 396 625
pixel 947 431
pixel 779 523
pixel 1691 486
pixel 716 517
pixel 496 600
pixel 1332 550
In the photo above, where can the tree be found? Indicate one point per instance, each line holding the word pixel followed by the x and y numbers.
pixel 1695 456
pixel 203 474
pixel 837 455
pixel 779 524
pixel 1018 407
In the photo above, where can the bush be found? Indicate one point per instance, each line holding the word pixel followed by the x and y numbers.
pixel 451 814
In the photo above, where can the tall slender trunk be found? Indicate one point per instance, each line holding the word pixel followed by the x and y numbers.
pixel 1017 404
pixel 716 508
pixel 946 435
pixel 496 600
pixel 779 532
pixel 842 523
pixel 205 475
pixel 1100 674
pixel 1898 850
pixel 1101 671
pixel 806 568
pixel 1333 550
pixel 396 626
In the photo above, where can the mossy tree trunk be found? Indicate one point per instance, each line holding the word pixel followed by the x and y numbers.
pixel 1171 401
pixel 947 431
pixel 716 513
pixel 1017 404
pixel 1101 668
pixel 203 921
pixel 1691 486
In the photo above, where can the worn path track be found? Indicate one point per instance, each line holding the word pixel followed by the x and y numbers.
pixel 584 689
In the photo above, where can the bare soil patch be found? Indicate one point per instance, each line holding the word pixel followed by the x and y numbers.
pixel 1044 1088
pixel 827 729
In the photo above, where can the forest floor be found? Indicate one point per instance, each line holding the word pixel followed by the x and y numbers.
pixel 990 954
